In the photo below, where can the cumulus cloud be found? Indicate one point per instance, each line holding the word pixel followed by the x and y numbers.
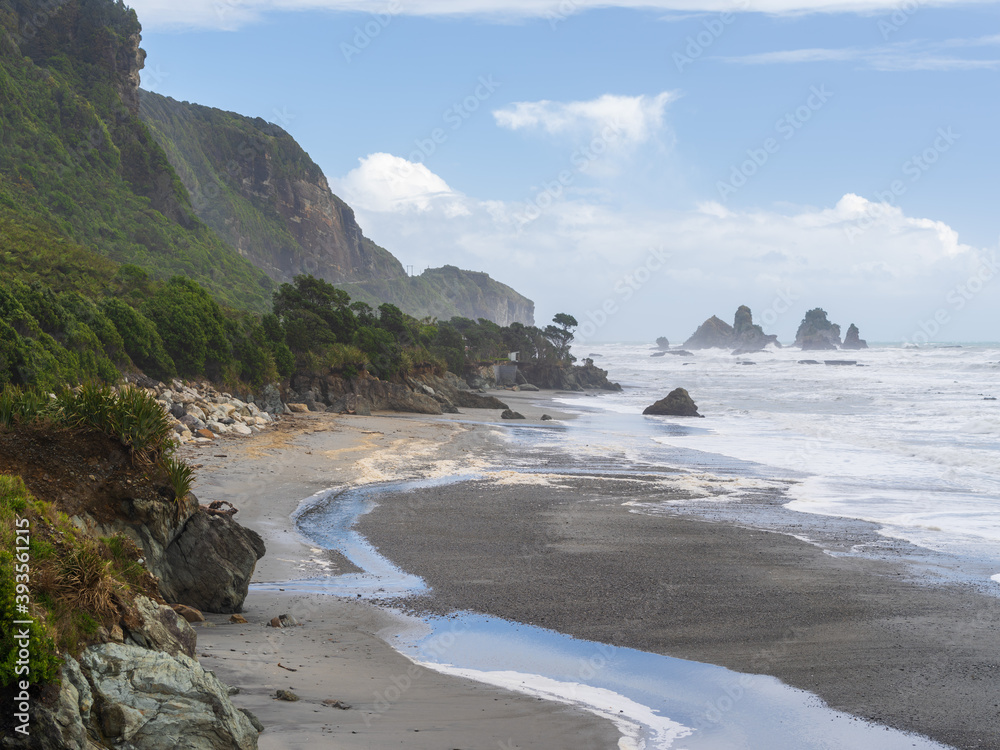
pixel 386 183
pixel 863 260
pixel 230 14
pixel 633 118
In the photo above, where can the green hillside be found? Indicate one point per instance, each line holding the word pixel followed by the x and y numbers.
pixel 82 180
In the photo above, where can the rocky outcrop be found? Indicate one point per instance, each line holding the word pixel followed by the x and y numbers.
pixel 140 689
pixel 677 403
pixel 319 392
pixel 816 333
pixel 714 333
pixel 663 342
pixel 853 340
pixel 747 336
pixel 568 378
pixel 743 337
pixel 210 563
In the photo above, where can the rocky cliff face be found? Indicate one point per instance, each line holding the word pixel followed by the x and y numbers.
pixel 714 333
pixel 255 186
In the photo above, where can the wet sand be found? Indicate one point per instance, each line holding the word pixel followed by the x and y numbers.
pixel 337 653
pixel 862 634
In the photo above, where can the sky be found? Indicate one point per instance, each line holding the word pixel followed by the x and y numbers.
pixel 641 165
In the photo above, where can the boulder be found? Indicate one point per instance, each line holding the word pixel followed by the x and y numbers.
pixel 678 403
pixel 816 333
pixel 510 414
pixel 270 400
pixel 210 563
pixel 158 701
pixel 663 342
pixel 190 614
pixel 853 340
pixel 298 408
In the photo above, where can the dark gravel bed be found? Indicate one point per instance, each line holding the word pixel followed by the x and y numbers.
pixel 862 633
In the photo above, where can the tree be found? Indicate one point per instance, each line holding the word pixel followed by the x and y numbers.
pixel 560 336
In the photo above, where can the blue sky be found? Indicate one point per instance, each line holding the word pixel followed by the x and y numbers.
pixel 641 168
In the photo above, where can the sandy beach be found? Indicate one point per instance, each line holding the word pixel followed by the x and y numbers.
pixel 337 653
pixel 870 637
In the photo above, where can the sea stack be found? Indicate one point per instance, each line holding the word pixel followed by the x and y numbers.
pixel 816 332
pixel 853 340
pixel 678 403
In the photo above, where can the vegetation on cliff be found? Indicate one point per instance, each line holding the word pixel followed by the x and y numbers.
pixel 73 583
pixel 82 181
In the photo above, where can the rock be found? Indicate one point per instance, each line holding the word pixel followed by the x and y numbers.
pixel 286 695
pixel 658 354
pixel 208 434
pixel 663 342
pixel 714 333
pixel 678 403
pixel 177 411
pixel 284 621
pixel 238 619
pixel 530 388
pixel 210 563
pixel 680 353
pixel 853 340
pixel 270 400
pixel 748 336
pixel 298 408
pixel 840 362
pixel 546 418
pixel 162 628
pixel 351 403
pixel 63 725
pixel 816 333
pixel 509 414
pixel 196 412
pixel 808 362
pixel 334 703
pixel 218 428
pixel 158 701
pixel 253 719
pixel 242 430
pixel 188 613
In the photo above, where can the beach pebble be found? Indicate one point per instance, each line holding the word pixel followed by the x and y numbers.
pixel 286 695
pixel 238 619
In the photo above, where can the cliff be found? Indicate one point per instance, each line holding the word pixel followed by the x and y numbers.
pixel 80 175
pixel 254 185
pixel 449 292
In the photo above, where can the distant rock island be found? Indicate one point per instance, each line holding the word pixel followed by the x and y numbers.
pixel 743 337
pixel 817 333
pixel 677 403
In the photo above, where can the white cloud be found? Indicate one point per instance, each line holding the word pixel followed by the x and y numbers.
pixel 861 260
pixel 633 119
pixel 917 55
pixel 231 14
pixel 386 183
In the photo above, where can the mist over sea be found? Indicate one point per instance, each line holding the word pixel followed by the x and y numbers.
pixel 907 438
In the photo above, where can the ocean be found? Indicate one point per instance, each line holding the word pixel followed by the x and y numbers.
pixel 906 438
